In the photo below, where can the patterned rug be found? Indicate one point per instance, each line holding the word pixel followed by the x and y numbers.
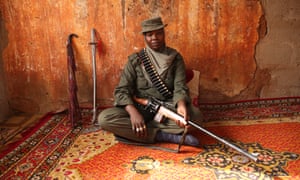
pixel 15 126
pixel 252 109
pixel 278 157
pixel 40 149
pixel 55 150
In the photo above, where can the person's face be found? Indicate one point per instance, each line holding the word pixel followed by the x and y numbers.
pixel 155 39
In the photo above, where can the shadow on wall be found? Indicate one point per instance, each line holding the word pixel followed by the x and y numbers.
pixel 4 106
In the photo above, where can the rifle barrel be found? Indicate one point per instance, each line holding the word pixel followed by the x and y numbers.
pixel 254 158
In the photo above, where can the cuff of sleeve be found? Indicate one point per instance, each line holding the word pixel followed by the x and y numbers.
pixel 123 103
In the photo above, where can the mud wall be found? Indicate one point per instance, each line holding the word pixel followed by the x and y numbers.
pixel 278 52
pixel 243 49
pixel 4 106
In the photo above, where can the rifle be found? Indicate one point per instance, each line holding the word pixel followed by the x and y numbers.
pixel 161 112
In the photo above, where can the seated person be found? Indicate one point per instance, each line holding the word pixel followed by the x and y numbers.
pixel 129 119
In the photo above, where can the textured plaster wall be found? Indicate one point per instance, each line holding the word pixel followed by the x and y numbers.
pixel 277 55
pixel 240 49
pixel 278 52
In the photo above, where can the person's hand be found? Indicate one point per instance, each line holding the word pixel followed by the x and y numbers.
pixel 137 121
pixel 182 110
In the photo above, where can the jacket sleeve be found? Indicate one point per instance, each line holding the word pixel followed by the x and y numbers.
pixel 181 91
pixel 124 90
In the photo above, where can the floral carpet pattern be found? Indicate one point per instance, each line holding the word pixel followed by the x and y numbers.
pixel 252 109
pixel 270 129
pixel 39 152
pixel 229 164
pixel 213 161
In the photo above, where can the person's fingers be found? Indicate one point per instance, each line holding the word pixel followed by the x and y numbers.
pixel 142 130
pixel 139 129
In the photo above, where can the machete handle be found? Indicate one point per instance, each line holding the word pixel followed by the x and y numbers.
pixel 71 36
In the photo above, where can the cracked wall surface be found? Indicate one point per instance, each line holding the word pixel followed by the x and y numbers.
pixel 278 52
pixel 242 49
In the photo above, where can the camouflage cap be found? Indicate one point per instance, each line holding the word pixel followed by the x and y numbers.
pixel 152 24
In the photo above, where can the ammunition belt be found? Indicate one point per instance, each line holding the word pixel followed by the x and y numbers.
pixel 154 76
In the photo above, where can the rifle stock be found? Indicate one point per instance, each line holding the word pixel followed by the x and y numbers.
pixel 162 112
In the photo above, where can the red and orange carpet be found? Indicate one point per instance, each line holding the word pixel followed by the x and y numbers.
pixel 269 128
